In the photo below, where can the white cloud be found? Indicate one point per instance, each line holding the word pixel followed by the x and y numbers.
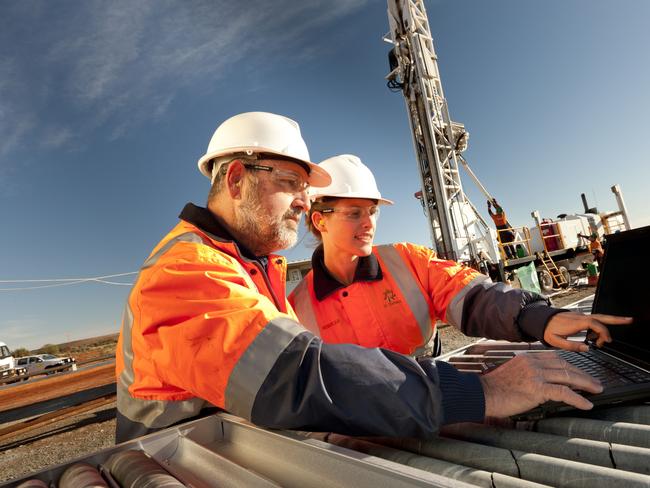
pixel 13 124
pixel 57 136
pixel 13 128
pixel 118 64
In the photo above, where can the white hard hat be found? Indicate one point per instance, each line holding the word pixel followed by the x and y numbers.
pixel 262 132
pixel 350 179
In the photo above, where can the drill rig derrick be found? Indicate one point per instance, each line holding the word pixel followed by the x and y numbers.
pixel 457 230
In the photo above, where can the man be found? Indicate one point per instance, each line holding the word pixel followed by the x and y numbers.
pixel 207 323
pixel 504 229
pixel 595 247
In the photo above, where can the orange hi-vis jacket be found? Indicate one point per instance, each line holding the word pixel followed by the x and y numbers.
pixel 398 294
pixel 596 247
pixel 499 218
pixel 189 322
pixel 207 326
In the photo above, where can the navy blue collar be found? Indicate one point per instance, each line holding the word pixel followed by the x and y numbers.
pixel 325 284
pixel 206 221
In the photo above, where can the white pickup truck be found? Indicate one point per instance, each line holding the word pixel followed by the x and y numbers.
pixel 46 364
pixel 10 372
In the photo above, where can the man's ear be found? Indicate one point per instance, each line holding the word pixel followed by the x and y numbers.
pixel 234 178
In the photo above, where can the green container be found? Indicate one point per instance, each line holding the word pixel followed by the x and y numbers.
pixel 527 276
pixel 592 269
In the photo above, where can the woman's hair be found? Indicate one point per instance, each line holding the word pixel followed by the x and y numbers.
pixel 317 206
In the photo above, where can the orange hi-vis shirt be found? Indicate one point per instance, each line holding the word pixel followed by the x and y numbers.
pixel 398 294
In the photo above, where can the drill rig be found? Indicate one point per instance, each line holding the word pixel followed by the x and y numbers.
pixel 457 230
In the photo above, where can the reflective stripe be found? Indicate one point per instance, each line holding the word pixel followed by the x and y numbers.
pixel 428 349
pixel 126 376
pixel 155 414
pixel 455 308
pixel 256 363
pixel 303 307
pixel 151 413
pixel 416 300
pixel 187 237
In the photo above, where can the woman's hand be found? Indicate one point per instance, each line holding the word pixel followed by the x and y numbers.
pixel 566 324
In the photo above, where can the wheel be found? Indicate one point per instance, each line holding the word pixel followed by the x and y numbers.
pixel 566 275
pixel 545 280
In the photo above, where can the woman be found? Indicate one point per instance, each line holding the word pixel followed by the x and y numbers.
pixel 391 296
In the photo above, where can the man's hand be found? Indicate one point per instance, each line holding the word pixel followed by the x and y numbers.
pixel 566 324
pixel 531 379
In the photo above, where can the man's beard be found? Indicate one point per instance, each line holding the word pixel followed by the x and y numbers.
pixel 262 235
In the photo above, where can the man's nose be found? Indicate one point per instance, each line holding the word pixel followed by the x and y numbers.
pixel 302 201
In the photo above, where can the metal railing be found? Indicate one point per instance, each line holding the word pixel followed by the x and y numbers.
pixel 520 244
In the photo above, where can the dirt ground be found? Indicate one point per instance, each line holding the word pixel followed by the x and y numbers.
pixel 72 438
pixel 81 435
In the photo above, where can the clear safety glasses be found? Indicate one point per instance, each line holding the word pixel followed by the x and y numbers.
pixel 354 214
pixel 289 181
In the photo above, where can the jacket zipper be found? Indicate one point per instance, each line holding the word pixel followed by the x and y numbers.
pixel 270 288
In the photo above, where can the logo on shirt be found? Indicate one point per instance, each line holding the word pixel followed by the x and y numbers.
pixel 330 324
pixel 390 298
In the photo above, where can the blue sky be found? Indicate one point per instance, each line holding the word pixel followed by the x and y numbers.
pixel 106 106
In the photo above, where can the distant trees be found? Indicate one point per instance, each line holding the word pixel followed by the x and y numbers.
pixel 20 352
pixel 50 349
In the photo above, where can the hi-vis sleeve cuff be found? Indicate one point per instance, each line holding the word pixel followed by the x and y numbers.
pixel 535 316
pixel 456 308
pixel 494 310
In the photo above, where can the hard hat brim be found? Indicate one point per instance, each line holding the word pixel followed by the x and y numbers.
pixel 317 176
pixel 363 196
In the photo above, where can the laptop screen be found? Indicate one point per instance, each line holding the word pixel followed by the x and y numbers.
pixel 624 289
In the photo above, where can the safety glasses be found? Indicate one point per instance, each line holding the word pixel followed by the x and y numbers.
pixel 289 181
pixel 353 214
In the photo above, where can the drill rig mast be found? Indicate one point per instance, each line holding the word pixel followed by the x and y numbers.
pixel 457 230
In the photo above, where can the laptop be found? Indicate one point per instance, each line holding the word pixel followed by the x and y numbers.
pixel 623 365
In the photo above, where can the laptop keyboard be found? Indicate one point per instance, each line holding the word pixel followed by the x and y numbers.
pixel 610 373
